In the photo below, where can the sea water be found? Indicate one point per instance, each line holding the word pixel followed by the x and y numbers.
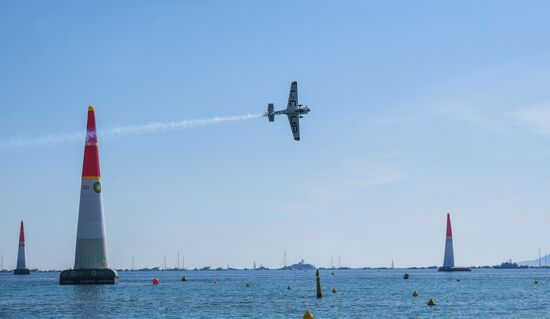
pixel 482 293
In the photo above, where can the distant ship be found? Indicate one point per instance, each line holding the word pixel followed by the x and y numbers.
pixel 509 265
pixel 302 265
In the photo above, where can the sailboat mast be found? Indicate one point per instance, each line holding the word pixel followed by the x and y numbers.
pixel 283 262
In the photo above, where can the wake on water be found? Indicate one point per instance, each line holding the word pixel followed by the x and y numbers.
pixel 52 140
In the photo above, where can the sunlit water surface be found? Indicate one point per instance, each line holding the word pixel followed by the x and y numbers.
pixel 224 294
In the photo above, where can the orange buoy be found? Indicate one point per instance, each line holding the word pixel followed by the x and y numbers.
pixel 156 281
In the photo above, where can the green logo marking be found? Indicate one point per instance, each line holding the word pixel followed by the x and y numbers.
pixel 97 187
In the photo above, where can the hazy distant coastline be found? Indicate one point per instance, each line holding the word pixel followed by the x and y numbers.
pixel 283 269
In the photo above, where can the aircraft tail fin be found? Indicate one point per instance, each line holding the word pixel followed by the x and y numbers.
pixel 271 112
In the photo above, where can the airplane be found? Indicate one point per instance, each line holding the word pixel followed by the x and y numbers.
pixel 293 110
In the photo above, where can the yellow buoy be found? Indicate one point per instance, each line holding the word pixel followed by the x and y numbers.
pixel 308 315
pixel 333 290
pixel 431 302
pixel 415 294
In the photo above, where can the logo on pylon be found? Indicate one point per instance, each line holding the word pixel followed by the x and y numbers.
pixel 97 187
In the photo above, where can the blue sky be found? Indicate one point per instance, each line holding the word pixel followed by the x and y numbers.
pixel 418 108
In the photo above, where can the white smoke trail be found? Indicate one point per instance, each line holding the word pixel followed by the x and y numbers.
pixel 51 140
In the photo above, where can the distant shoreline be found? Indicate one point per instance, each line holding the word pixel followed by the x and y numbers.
pixel 280 269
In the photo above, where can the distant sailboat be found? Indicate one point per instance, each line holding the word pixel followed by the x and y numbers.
pixel 283 262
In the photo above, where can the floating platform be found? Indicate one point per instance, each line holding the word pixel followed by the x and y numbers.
pixel 22 271
pixel 88 277
pixel 450 269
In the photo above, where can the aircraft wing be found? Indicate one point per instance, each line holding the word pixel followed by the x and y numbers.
pixel 294 121
pixel 293 96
